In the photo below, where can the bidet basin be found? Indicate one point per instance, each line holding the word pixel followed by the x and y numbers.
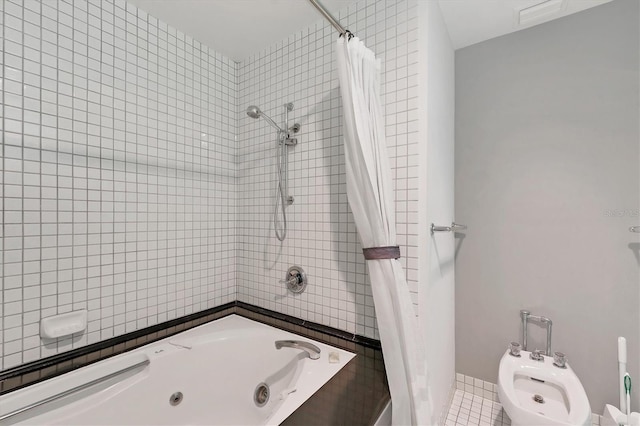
pixel 540 393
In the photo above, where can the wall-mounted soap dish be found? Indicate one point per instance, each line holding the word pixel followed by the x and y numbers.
pixel 63 324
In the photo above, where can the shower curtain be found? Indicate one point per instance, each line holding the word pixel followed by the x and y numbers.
pixel 370 196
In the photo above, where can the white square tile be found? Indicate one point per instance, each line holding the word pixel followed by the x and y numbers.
pixel 133 200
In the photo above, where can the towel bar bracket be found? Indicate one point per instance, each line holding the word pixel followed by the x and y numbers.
pixel 454 227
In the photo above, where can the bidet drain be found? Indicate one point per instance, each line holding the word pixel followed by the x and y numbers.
pixel 261 394
pixel 538 398
pixel 176 398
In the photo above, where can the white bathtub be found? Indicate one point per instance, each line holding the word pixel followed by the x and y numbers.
pixel 216 367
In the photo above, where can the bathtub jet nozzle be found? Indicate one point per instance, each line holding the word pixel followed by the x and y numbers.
pixel 261 394
pixel 176 398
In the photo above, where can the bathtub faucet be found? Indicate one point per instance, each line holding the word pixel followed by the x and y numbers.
pixel 311 350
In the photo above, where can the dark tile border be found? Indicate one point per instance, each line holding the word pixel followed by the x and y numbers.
pixel 46 368
pixel 344 335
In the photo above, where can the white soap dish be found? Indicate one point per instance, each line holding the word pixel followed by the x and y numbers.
pixel 63 324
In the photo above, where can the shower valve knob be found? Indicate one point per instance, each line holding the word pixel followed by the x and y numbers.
pixel 295 280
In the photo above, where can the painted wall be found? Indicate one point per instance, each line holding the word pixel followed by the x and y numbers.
pixel 322 236
pixel 437 279
pixel 547 151
pixel 118 173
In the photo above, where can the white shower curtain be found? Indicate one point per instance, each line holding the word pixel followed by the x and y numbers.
pixel 370 196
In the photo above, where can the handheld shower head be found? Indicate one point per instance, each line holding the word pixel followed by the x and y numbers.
pixel 254 112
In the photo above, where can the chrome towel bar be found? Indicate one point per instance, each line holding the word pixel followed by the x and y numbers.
pixel 452 228
pixel 634 229
pixel 72 390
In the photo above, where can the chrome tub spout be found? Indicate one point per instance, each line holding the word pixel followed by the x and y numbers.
pixel 311 350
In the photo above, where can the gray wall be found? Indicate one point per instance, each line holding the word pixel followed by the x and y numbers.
pixel 547 168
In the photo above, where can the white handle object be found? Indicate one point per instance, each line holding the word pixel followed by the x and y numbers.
pixel 622 370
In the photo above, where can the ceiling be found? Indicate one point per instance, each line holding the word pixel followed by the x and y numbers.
pixel 238 28
pixel 473 21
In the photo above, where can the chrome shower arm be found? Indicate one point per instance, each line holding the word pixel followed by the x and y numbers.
pixel 255 112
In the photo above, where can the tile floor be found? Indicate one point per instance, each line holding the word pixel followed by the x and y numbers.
pixel 469 409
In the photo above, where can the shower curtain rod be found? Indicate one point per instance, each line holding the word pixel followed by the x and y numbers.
pixel 330 18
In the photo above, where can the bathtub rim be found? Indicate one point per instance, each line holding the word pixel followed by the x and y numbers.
pixel 368 357
pixel 149 362
pixel 46 368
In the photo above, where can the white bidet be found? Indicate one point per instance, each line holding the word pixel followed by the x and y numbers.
pixel 533 391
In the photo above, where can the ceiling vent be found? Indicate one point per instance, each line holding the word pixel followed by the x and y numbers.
pixel 540 11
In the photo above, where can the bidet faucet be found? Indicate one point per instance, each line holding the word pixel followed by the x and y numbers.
pixel 526 317
pixel 559 360
pixel 537 355
pixel 311 350
pixel 514 349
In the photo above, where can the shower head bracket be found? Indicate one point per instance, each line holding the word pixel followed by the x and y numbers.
pixel 295 128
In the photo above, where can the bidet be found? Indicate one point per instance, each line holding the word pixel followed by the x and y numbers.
pixel 537 392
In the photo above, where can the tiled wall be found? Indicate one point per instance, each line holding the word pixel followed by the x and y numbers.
pixel 121 174
pixel 118 172
pixel 322 236
pixel 476 386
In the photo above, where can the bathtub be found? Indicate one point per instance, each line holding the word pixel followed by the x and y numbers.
pixel 214 374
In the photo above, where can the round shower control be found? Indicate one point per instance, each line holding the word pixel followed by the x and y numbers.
pixel 295 280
